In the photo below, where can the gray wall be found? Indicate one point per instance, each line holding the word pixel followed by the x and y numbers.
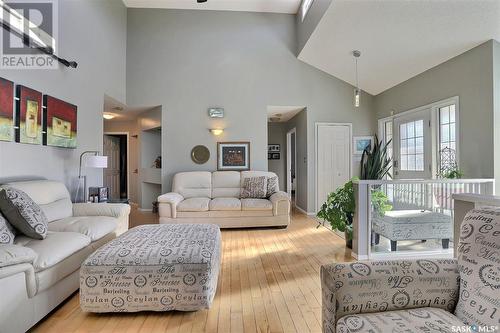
pixel 276 134
pixel 468 76
pixel 306 28
pixel 93 33
pixel 188 61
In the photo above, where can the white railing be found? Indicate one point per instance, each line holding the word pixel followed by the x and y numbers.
pixel 434 195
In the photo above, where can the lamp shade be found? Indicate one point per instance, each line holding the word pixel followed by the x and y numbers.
pixel 99 162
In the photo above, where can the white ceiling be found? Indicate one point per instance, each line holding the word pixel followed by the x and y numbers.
pixel 272 6
pixel 282 114
pixel 397 39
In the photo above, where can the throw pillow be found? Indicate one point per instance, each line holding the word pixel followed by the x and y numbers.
pixel 254 187
pixel 23 213
pixel 272 185
pixel 7 233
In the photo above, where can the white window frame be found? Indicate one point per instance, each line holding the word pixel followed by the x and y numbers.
pixel 435 127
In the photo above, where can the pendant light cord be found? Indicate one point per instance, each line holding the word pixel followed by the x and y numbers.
pixel 357 82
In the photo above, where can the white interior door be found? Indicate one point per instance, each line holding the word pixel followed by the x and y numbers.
pixel 412 142
pixel 333 144
pixel 290 156
pixel 112 172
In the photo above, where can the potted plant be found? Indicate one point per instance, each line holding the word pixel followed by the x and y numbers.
pixel 339 210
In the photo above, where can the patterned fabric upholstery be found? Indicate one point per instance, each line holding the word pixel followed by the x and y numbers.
pixel 153 268
pixel 23 213
pixel 272 186
pixel 411 224
pixel 254 187
pixel 420 320
pixel 7 232
pixel 479 264
pixel 377 286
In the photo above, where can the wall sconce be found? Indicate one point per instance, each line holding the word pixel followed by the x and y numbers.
pixel 216 131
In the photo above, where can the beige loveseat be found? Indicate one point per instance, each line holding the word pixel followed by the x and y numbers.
pixel 215 197
pixel 37 275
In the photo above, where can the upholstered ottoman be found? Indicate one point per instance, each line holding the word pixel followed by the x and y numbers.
pixel 412 225
pixel 153 268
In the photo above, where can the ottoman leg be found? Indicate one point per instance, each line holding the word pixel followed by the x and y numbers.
pixel 394 245
pixel 424 240
pixel 445 242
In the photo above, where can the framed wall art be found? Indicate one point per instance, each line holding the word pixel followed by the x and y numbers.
pixel 28 115
pixel 6 110
pixel 233 156
pixel 59 123
pixel 361 142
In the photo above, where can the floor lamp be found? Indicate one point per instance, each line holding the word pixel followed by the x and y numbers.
pixel 94 161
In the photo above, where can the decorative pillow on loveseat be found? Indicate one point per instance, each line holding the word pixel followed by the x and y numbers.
pixel 254 187
pixel 7 232
pixel 272 185
pixel 23 213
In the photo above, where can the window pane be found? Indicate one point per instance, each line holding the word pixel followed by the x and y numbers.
pixel 452 113
pixel 445 133
pixel 402 131
pixel 419 145
pixel 419 162
pixel 452 132
pixel 404 162
pixel 419 128
pixel 404 149
pixel 411 146
pixel 411 162
pixel 453 145
pixel 388 128
pixel 410 129
pixel 445 115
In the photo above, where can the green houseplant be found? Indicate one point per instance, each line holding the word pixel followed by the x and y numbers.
pixel 339 210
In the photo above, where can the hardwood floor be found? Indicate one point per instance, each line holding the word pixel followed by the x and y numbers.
pixel 269 282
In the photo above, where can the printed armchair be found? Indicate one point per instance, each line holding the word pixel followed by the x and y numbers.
pixel 423 295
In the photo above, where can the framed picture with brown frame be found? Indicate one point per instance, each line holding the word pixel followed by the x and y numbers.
pixel 233 156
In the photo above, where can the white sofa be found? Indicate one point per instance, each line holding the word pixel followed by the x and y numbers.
pixel 215 197
pixel 37 275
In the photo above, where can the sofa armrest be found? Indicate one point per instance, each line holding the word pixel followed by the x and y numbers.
pixel 118 211
pixel 168 204
pixel 281 203
pixel 375 286
pixel 101 209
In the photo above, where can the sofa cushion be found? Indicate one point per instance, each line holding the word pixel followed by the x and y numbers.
pixel 256 204
pixel 418 320
pixel 479 268
pixel 193 184
pixel 254 187
pixel 225 204
pixel 7 232
pixel 52 197
pixel 94 227
pixel 272 186
pixel 56 247
pixel 11 254
pixel 226 184
pixel 23 213
pixel 194 205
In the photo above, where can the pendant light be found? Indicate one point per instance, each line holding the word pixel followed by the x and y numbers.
pixel 357 91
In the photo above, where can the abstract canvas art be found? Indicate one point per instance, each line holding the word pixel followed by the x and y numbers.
pixel 6 110
pixel 233 155
pixel 60 123
pixel 28 115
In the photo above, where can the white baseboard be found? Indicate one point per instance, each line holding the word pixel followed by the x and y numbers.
pixel 303 211
pixel 145 209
